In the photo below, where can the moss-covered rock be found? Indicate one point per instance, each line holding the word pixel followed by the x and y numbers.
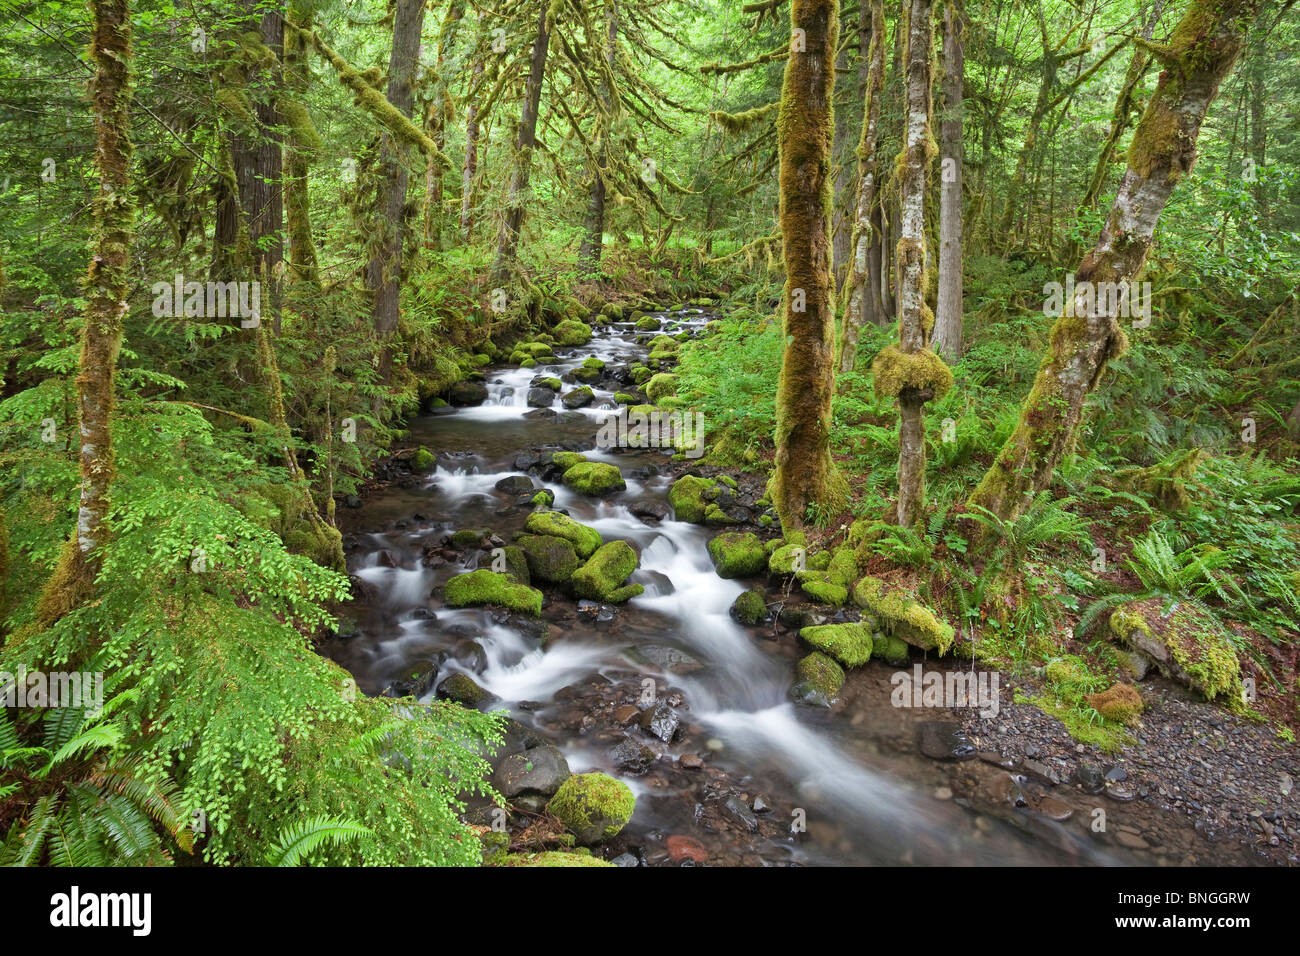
pixel 687 497
pixel 750 606
pixel 550 858
pixel 627 398
pixel 820 679
pixel 463 690
pixel 1121 703
pixel 517 564
pixel 850 644
pixel 468 537
pixel 594 478
pixel 641 374
pixel 572 332
pixel 1186 642
pixel 831 586
pixel 790 555
pixel 648 323
pixel 567 459
pixel 423 460
pixel 714 515
pixel 602 577
pixel 543 499
pixel 550 559
pixel 738 554
pixel 547 381
pixel 892 650
pixel 903 616
pixel 586 375
pixel 593 806
pixel 660 386
pixel 592 362
pixel 578 398
pixel 489 587
pixel 584 540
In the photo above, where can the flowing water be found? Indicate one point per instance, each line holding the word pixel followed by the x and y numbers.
pixel 842 788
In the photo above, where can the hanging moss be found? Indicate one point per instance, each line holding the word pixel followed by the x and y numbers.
pixel 1166 482
pixel 894 370
pixel 739 122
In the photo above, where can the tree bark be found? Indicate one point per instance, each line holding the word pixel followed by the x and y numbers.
pixel 470 166
pixel 384 270
pixel 862 286
pixel 439 107
pixel 914 326
pixel 107 283
pixel 948 308
pixel 1199 55
pixel 594 225
pixel 516 199
pixel 805 473
pixel 300 148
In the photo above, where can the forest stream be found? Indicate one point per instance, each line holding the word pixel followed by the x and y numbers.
pixel 730 771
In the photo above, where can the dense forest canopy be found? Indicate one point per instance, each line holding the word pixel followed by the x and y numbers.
pixel 1004 307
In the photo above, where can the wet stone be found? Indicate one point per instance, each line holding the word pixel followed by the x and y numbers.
pixel 690 761
pixel 1042 772
pixel 1054 809
pixel 633 757
pixel 660 721
pixel 998 760
pixel 943 740
pixel 515 485
pixel 682 848
pixel 1091 780
pixel 1120 792
pixel 741 811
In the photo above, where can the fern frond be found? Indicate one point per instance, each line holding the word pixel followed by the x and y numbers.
pixel 299 839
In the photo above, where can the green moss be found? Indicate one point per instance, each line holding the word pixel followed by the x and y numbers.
pixel 894 370
pixel 624 398
pixel 567 459
pixel 850 644
pixel 605 571
pixel 1121 703
pixel 641 374
pixel 713 514
pixel 593 806
pixel 554 384
pixel 1166 482
pixel 661 386
pixel 572 332
pixel 550 559
pixel 1186 641
pixel 584 540
pixel 687 497
pixel 423 460
pixel 468 537
pixel 750 606
pixel 586 375
pixel 821 674
pixel 543 499
pixel 517 564
pixel 892 650
pixel 738 554
pixel 593 362
pixel 488 587
pixel 903 616
pixel 594 478
pixel 552 858
pixel 647 323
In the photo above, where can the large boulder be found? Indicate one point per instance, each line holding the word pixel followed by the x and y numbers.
pixel 578 397
pixel 530 778
pixel 903 616
pixel 1186 642
pixel 550 559
pixel 572 332
pixel 594 478
pixel 594 807
pixel 820 679
pixel 489 587
pixel 584 540
pixel 738 554
pixel 468 393
pixel 850 644
pixel 602 577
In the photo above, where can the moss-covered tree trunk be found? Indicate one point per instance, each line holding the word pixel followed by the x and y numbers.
pixel 470 166
pixel 106 283
pixel 437 109
pixel 1201 51
pixel 805 473
pixel 948 307
pixel 912 372
pixel 862 293
pixel 384 269
pixel 594 225
pixel 301 145
pixel 1124 108
pixel 512 221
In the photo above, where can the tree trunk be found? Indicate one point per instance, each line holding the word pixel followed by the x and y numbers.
pixel 516 199
pixel 301 146
pixel 948 309
pixel 439 106
pixel 470 166
pixel 383 271
pixel 1198 56
pixel 1137 68
pixel 911 371
pixel 106 285
pixel 594 226
pixel 805 473
pixel 862 286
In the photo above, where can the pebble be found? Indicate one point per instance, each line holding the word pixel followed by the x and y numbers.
pixel 682 848
pixel 690 761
